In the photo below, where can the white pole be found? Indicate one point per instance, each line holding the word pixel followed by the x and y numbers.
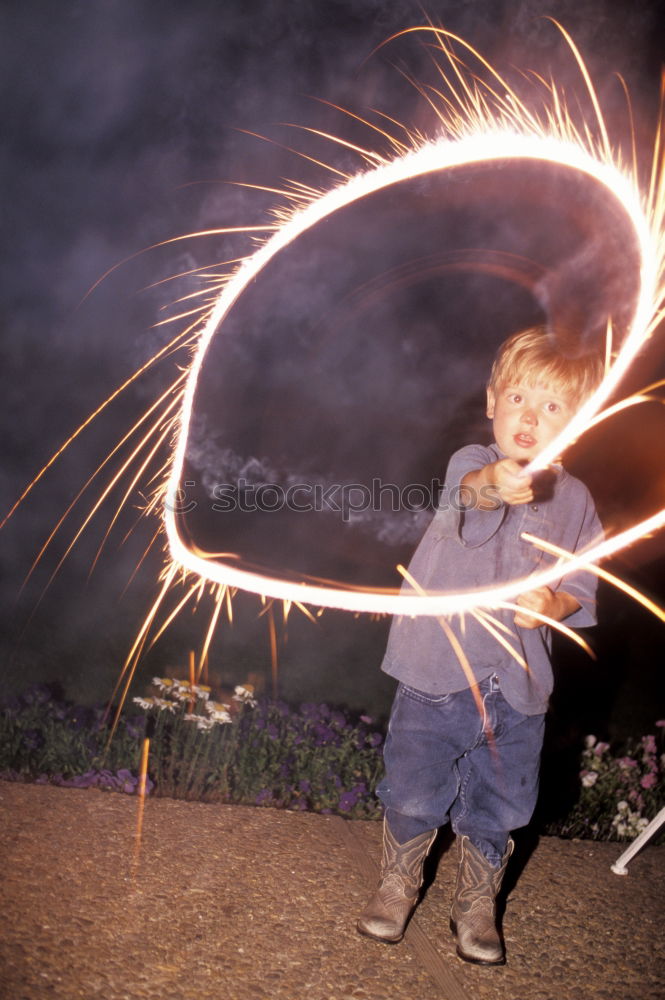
pixel 619 866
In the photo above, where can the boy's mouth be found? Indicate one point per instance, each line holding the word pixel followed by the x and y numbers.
pixel 524 440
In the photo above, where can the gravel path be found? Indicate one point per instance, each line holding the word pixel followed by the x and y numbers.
pixel 233 903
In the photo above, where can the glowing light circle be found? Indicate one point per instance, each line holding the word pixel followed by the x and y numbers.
pixel 491 145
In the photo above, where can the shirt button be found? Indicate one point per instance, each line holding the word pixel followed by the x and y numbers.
pixel 534 506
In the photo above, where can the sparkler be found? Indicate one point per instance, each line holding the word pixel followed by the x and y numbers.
pixel 481 120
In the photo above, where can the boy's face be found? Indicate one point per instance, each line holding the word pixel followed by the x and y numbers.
pixel 527 417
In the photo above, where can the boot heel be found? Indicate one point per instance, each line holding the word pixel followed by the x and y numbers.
pixel 473 915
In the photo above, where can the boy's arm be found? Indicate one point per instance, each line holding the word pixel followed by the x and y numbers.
pixel 499 482
pixel 555 604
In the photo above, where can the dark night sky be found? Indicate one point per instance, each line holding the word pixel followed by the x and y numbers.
pixel 122 122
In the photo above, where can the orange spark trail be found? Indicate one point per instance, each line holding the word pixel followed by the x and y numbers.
pixel 141 791
pixel 604 574
pixel 484 121
pixel 454 642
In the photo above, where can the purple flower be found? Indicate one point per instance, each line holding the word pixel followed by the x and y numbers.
pixel 87 780
pixel 347 801
pixel 649 780
pixel 323 734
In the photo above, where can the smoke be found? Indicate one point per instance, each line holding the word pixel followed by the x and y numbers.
pixel 229 479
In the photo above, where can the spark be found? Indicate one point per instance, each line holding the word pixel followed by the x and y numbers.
pixel 604 574
pixel 457 646
pixel 221 595
pixel 494 626
pixel 273 649
pixel 483 121
pixel 183 338
pixel 553 623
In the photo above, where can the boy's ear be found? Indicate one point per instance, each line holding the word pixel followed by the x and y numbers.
pixel 490 403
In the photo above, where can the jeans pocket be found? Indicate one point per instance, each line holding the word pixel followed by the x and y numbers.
pixel 422 697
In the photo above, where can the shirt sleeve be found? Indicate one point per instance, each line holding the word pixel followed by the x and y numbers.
pixel 472 527
pixel 583 584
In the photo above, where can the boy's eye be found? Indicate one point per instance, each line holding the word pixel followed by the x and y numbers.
pixel 553 408
pixel 515 397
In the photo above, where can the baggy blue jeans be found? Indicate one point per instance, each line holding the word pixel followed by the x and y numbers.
pixel 445 760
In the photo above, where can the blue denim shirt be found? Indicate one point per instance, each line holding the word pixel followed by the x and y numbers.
pixel 473 549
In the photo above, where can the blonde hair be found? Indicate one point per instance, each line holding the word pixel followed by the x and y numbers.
pixel 530 356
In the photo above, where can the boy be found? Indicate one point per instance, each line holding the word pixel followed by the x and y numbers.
pixel 468 750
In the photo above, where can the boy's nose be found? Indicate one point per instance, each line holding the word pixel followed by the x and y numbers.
pixel 529 417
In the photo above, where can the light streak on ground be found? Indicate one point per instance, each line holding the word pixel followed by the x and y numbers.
pixel 141 793
pixel 482 121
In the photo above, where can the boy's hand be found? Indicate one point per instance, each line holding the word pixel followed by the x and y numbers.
pixel 543 600
pixel 499 482
pixel 512 483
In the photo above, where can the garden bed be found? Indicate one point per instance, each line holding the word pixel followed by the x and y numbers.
pixel 258 752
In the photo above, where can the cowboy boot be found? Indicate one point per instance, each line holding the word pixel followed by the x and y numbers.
pixel 387 913
pixel 473 915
